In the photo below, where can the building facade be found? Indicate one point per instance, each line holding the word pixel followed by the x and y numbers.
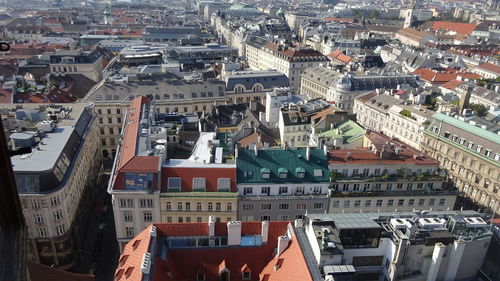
pixel 471 156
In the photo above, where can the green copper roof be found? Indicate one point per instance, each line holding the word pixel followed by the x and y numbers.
pixel 468 127
pixel 348 130
pixel 249 166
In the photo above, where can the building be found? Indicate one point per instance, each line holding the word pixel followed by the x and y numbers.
pixel 387 175
pixel 281 184
pixel 137 55
pixel 174 34
pixel 398 246
pixel 470 152
pixel 57 181
pixel 407 123
pixel 487 70
pixel 372 110
pixel 246 86
pixel 88 63
pixel 207 53
pixel 295 122
pixel 290 61
pixel 348 87
pixel 274 101
pixel 203 185
pixel 113 96
pixel 345 134
pixel 413 37
pixel 316 81
pixel 216 251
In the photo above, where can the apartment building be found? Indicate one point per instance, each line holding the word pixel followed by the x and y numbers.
pixel 216 251
pixel 57 180
pixel 201 186
pixel 290 61
pixel 372 110
pixel 398 246
pixel 470 152
pixel 316 81
pixel 295 122
pixel 247 86
pixel 88 63
pixel 407 123
pixel 387 175
pixel 113 96
pixel 277 184
pixel 348 87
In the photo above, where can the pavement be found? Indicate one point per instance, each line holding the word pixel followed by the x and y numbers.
pixel 109 251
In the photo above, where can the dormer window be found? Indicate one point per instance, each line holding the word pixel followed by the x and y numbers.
pixel 300 172
pixel 200 277
pixel 246 276
pixel 265 173
pixel 199 184
pixel 283 173
pixel 174 184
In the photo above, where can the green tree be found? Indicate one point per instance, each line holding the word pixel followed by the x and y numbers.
pixel 479 109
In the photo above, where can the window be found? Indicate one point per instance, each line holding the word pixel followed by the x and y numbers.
pixel 174 184
pixel 299 190
pixel 179 206
pixel 126 203
pixel 198 219
pixel 180 219
pixel 356 187
pixel 60 229
pixel 411 202
pixel 58 215
pixel 42 232
pixel 247 207
pixel 301 206
pixel 38 218
pixel 347 204
pixel 148 216
pixel 283 206
pixel 401 202
pixel 146 203
pixel 229 207
pixel 199 184
pixel 379 203
pixel 368 203
pixel 246 276
pixel 188 219
pixel 357 203
pixel 198 206
pixel 247 190
pixel 223 184
pixel 35 204
pixel 335 203
pixel 169 219
pixel 442 201
pixel 188 206
pixel 390 202
pixel 432 201
pixel 283 189
pixel 54 201
pixel 217 206
pixel 127 216
pixel 265 190
pixel 266 207
pixel 168 206
pixel 318 205
pixel 421 202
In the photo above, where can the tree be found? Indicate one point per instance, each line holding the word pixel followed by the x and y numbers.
pixel 479 109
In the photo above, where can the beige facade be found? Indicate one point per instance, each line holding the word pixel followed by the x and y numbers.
pixel 198 206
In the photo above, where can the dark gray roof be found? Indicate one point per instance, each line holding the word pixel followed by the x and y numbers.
pixel 268 79
pixel 372 82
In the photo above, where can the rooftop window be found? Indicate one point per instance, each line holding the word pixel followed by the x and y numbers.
pixel 300 172
pixel 265 173
pixel 174 184
pixel 283 173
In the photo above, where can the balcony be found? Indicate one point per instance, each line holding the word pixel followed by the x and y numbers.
pixel 420 192
pixel 339 178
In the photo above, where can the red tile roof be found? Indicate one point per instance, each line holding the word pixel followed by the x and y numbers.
pixel 435 77
pixel 453 84
pixel 211 176
pixel 463 28
pixel 490 67
pixel 185 264
pixel 337 55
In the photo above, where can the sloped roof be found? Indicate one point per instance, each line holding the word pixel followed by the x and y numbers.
pixel 274 159
pixel 443 77
pixel 490 67
pixel 463 28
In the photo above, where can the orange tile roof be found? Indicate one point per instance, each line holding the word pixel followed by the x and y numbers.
pixel 338 55
pixel 5 96
pixel 463 28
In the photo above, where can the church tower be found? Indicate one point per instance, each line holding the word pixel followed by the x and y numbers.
pixel 409 15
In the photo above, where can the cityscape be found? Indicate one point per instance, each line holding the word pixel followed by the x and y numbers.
pixel 263 140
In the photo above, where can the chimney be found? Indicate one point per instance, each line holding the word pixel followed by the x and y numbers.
pixel 264 231
pixel 256 150
pixel 325 150
pixel 283 242
pixel 233 233
pixel 211 226
pixel 236 150
pixel 299 223
pixel 308 153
